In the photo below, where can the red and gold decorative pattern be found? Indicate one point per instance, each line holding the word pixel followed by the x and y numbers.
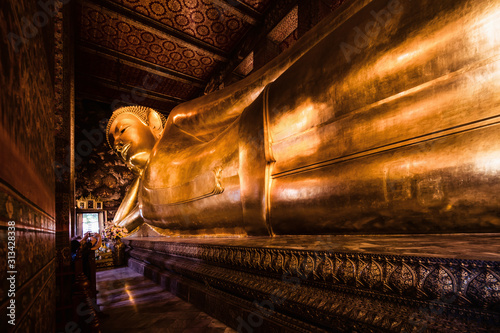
pixel 26 108
pixel 285 27
pixel 28 127
pixel 289 41
pixel 201 19
pixel 118 33
pixel 246 66
pixel 191 38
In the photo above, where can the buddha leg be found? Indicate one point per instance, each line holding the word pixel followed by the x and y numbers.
pixel 392 127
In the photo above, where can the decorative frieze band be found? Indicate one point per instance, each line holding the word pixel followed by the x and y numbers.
pixel 470 282
pixel 25 215
pixel 341 308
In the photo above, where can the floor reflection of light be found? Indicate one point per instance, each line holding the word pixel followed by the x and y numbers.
pixel 130 297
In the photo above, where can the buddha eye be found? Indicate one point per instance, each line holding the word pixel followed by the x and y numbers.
pixel 123 129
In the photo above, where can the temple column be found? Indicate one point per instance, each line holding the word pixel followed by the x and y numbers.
pixel 64 156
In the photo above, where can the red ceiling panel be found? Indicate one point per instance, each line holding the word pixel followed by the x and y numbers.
pixel 110 30
pixel 171 48
pixel 201 19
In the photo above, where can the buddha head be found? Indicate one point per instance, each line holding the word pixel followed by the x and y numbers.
pixel 132 132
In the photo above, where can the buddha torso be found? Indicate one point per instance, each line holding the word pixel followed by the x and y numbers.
pixel 398 137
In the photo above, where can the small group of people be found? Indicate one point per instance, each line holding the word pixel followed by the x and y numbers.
pixel 90 240
pixel 86 246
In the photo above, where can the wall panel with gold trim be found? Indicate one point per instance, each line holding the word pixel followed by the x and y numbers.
pixel 27 199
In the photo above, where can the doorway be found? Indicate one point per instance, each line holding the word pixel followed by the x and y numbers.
pixel 90 220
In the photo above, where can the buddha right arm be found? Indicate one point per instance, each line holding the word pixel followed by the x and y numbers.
pixel 128 213
pixel 132 220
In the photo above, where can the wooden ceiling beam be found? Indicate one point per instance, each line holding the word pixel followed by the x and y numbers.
pixel 162 28
pixel 129 97
pixel 128 89
pixel 240 9
pixel 111 101
pixel 107 100
pixel 140 64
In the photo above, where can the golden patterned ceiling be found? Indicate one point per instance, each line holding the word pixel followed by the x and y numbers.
pixel 167 50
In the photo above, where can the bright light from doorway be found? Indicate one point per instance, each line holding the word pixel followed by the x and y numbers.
pixel 90 222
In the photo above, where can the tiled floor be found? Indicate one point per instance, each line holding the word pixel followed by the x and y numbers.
pixel 133 303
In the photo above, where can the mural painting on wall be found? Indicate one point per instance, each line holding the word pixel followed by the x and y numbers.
pixel 27 184
pixel 26 97
pixel 97 170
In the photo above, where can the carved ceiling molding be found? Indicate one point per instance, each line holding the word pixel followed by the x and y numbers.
pixel 122 75
pixel 275 12
pixel 99 12
pixel 245 67
pixel 185 41
pixel 236 8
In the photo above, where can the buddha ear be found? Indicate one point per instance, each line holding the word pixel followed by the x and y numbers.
pixel 155 123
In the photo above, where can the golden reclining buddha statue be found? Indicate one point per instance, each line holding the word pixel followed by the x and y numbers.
pixel 384 118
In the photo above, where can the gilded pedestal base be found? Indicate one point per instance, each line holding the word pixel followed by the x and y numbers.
pixel 332 283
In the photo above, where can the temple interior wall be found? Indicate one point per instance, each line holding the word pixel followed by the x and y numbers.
pixel 27 199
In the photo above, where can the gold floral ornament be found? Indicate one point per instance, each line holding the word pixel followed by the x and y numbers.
pixel 89 202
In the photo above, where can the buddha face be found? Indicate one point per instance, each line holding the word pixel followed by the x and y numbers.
pixel 132 140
